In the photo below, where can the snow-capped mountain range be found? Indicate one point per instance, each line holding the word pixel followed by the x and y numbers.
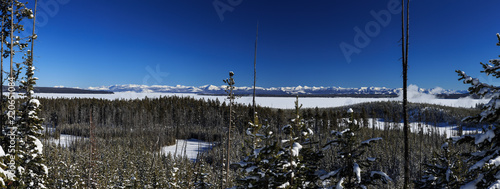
pixel 299 90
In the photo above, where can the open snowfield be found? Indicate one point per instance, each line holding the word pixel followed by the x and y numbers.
pixel 65 140
pixel 417 127
pixel 281 102
pixel 189 148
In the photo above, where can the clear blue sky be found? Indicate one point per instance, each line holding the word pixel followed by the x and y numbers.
pixel 86 43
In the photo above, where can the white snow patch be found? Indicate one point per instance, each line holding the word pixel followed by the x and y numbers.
pixel 472 184
pixel 371 158
pixel 66 140
pixel 38 145
pixel 370 140
pixel 339 184
pixel 250 169
pixel 357 172
pixel 480 163
pixel 495 185
pixel 35 102
pixel 495 161
pixel 296 148
pixel 381 174
pixel 189 148
pixel 284 185
pixel 330 174
pixel 490 134
pixel 444 146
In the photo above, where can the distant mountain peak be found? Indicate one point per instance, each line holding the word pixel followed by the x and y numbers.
pixel 302 90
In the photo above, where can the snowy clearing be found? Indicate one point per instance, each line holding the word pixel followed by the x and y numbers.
pixel 66 140
pixel 280 102
pixel 425 128
pixel 189 148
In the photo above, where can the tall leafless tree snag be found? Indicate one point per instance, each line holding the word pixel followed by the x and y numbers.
pixel 404 50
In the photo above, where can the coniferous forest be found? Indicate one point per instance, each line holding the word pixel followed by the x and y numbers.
pixel 118 143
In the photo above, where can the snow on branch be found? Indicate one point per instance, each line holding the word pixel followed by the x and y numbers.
pixel 371 140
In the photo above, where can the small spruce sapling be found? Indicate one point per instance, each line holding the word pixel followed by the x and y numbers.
pixel 258 167
pixel 351 173
pixel 443 171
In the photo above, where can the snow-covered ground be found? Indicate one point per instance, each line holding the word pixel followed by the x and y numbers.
pixel 192 147
pixel 417 127
pixel 189 148
pixel 65 140
pixel 280 102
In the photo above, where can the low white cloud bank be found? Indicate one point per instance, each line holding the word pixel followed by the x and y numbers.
pixel 416 95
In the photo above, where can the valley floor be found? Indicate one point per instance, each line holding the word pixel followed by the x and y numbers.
pixel 281 102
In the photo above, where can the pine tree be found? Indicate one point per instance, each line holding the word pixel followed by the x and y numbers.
pixel 30 170
pixel 201 177
pixel 5 175
pixel 443 171
pixel 276 163
pixel 299 159
pixel 258 167
pixel 351 172
pixel 35 171
pixel 308 156
pixel 485 162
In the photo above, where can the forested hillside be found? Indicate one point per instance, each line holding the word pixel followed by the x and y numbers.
pixel 133 131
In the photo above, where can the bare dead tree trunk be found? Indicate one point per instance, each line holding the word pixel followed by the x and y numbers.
pixel 404 48
pixel 11 39
pixel 33 35
pixel 229 142
pixel 30 54
pixel 229 90
pixel 255 67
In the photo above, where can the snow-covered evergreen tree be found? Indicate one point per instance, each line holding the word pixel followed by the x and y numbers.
pixel 491 111
pixel 302 153
pixel 258 168
pixel 30 126
pixel 172 172
pixel 484 170
pixel 30 170
pixel 201 177
pixel 275 163
pixel 443 171
pixel 5 175
pixel 351 173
